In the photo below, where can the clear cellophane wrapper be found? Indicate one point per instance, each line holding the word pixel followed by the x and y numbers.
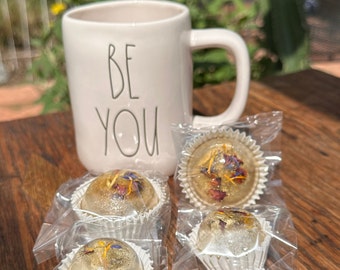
pixel 65 219
pixel 261 134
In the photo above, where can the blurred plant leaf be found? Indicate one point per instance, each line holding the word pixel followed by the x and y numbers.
pixel 286 33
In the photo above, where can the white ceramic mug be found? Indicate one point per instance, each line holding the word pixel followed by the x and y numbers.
pixel 129 69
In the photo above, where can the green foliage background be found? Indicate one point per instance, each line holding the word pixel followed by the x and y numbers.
pixel 275 32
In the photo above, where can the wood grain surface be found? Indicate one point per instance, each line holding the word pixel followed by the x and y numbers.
pixel 38 154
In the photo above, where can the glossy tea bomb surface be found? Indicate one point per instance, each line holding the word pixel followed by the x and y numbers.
pixel 106 253
pixel 222 168
pixel 119 193
pixel 231 239
pixel 229 232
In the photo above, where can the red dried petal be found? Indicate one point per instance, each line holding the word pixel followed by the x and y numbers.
pixel 215 182
pixel 217 195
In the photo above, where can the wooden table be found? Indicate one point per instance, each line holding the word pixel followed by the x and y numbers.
pixel 38 154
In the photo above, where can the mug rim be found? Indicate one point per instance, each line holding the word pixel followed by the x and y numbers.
pixel 70 14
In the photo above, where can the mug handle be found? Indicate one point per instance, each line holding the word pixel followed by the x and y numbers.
pixel 229 40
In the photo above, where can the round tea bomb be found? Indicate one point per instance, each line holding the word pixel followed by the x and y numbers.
pixel 119 193
pixel 231 238
pixel 222 168
pixel 125 202
pixel 105 253
pixel 229 232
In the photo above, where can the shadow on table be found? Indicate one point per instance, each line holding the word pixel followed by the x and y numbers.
pixel 312 88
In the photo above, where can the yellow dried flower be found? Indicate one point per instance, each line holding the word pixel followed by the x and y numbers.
pixel 57 8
